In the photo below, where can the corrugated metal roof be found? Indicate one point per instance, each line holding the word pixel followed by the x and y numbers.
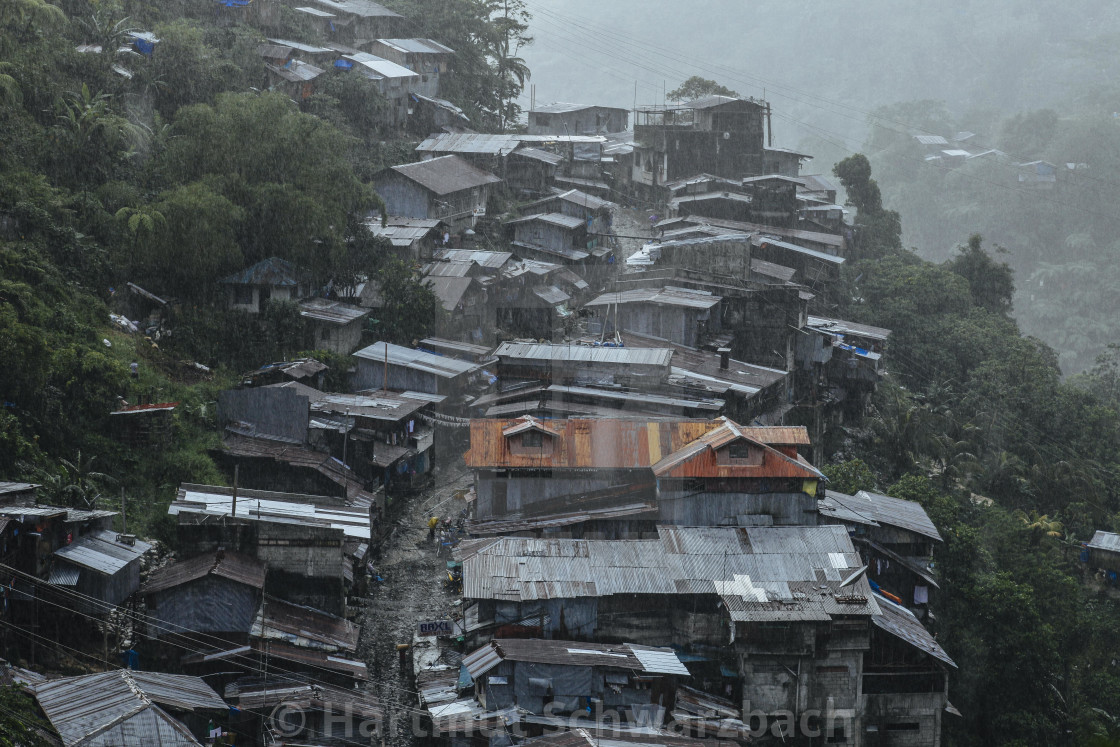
pixel 762 241
pixel 118 708
pixel 362 8
pixel 700 458
pixel 473 143
pixel 489 260
pixel 561 107
pixel 555 219
pixel 303 627
pixel 333 312
pixel 417 46
pixel 296 71
pixel 815 237
pixel 1107 541
pixel 448 289
pixel 272 271
pixel 381 67
pixel 901 623
pixel 573 653
pixel 550 294
pixel 613 443
pixel 377 405
pixel 236 567
pixel 443 269
pixel 708 102
pixel 584 354
pixel 101 552
pixel 565 252
pixel 895 512
pixel 659 660
pixel 301 46
pixel 771 269
pixel 761 573
pixel 931 140
pixel 417 359
pixel 209 499
pixel 703 365
pixel 773 178
pixel 631 399
pixel 64 575
pixel 835 505
pixel 446 174
pixel 839 326
pixel 544 156
pixel 667 296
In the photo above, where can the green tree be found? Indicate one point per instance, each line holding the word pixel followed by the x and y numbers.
pixel 849 477
pixel 991 283
pixel 880 229
pixel 410 307
pixel 696 87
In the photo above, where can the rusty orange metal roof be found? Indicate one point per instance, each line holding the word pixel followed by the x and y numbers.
pixel 608 443
pixel 703 458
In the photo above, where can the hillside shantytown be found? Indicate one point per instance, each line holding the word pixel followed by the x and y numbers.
pixel 523 432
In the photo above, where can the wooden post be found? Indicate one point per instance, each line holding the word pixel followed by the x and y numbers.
pixel 124 520
pixel 233 510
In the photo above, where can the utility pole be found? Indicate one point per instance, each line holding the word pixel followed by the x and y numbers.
pixel 233 510
pixel 124 519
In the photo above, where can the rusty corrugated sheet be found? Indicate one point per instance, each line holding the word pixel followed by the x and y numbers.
pixel 234 566
pixel 304 627
pixel 684 448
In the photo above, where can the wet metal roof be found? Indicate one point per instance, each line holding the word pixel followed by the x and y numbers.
pixel 363 8
pixel 901 623
pixel 584 354
pixel 616 443
pixel 572 653
pixel 1105 541
pixel 304 627
pixel 667 296
pixel 761 573
pixel 331 312
pixel 417 46
pixel 267 506
pixel 469 142
pixel 841 327
pixel 417 360
pixel 101 552
pixel 445 174
pixel 489 260
pixel 895 512
pixel 236 567
pixel 556 219
pixel 121 708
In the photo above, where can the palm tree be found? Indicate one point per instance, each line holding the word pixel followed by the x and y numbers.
pixel 73 483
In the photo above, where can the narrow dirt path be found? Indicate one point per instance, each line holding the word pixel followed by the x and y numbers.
pixel 412 590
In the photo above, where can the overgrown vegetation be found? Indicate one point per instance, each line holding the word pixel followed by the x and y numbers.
pixel 1016 467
